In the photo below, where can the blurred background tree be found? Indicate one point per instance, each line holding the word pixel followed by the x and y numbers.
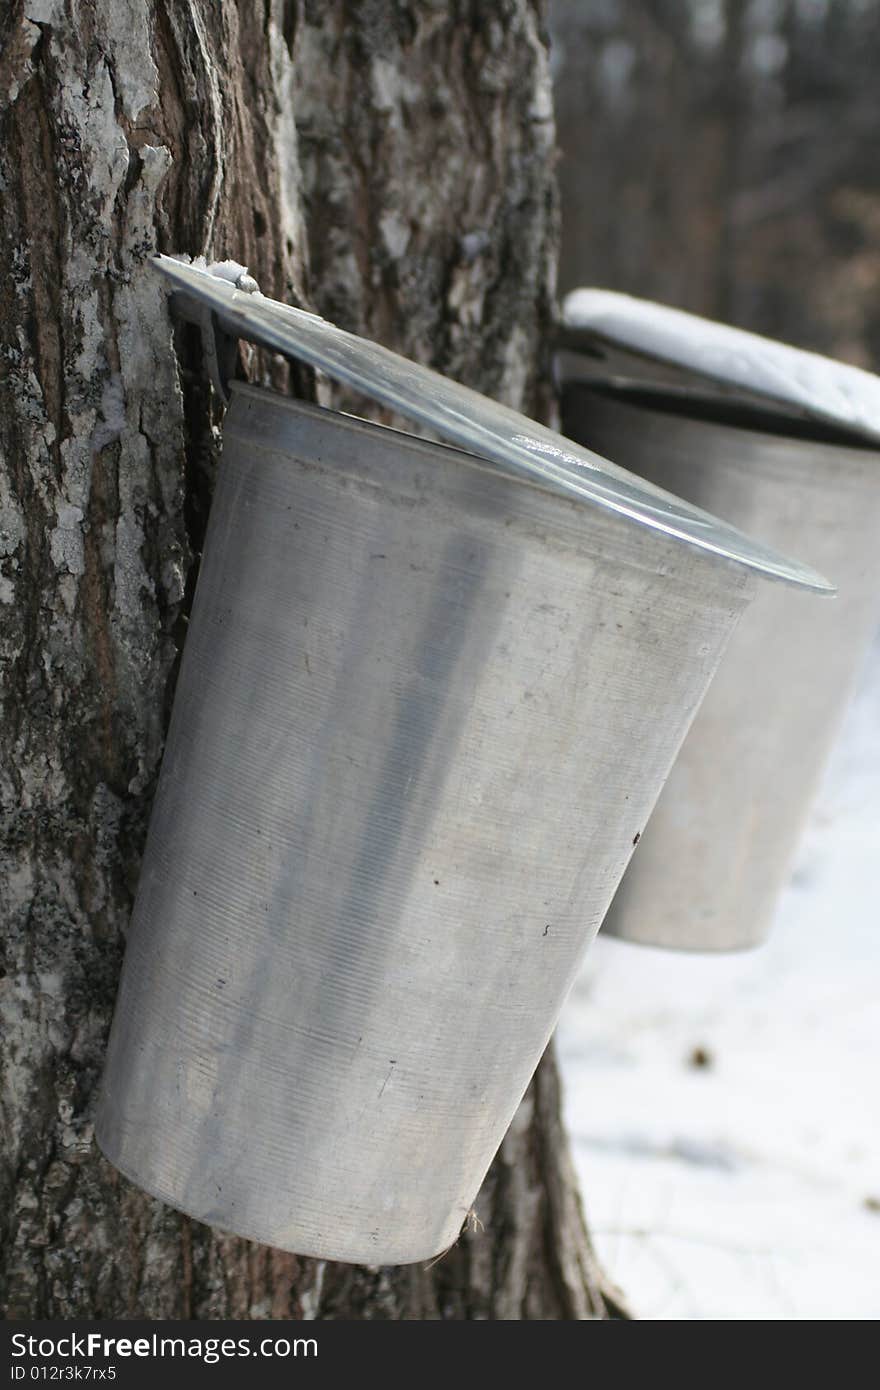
pixel 722 156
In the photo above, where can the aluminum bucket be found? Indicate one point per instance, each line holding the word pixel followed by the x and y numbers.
pixel 719 848
pixel 423 713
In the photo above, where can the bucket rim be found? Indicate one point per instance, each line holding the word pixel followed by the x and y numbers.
pixel 808 439
pixel 646 343
pixel 491 431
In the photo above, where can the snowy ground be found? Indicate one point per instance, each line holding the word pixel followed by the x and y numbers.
pixel 748 1188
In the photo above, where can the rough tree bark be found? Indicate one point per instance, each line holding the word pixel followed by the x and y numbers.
pixel 388 162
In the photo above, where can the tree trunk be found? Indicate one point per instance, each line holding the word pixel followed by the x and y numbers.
pixel 389 163
pixel 723 158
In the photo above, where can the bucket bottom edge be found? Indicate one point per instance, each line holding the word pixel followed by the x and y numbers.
pixel 342 1252
pixel 694 947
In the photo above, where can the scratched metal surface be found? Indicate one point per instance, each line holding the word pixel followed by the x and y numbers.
pixel 423 713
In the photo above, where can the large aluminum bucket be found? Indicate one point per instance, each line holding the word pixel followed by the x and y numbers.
pixel 424 710
pixel 719 847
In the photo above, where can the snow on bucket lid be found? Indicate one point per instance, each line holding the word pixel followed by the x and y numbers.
pixel 700 351
pixel 464 417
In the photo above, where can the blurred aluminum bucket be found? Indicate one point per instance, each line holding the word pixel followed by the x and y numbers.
pixel 423 713
pixel 719 847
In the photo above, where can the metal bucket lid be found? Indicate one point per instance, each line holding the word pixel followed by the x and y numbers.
pixel 468 419
pixel 635 339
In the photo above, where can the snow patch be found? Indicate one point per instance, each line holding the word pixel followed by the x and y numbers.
pixel 723 1109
